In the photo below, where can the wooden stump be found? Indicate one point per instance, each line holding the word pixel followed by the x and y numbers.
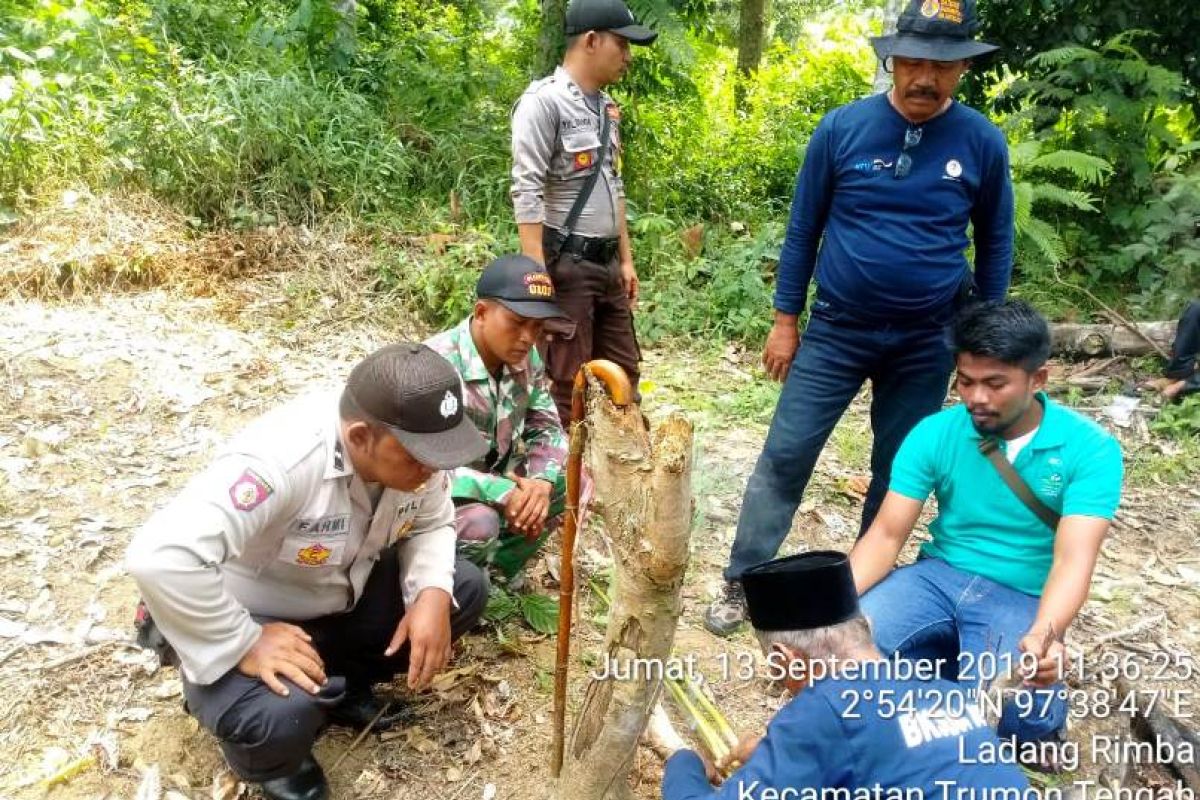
pixel 644 497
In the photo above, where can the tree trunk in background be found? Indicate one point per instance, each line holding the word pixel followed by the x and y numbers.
pixel 751 24
pixel 1077 339
pixel 346 38
pixel 891 11
pixel 550 37
pixel 644 496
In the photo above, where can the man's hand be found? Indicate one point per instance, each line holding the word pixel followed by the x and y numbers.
pixel 629 282
pixel 1042 644
pixel 782 343
pixel 740 753
pixel 284 650
pixel 426 627
pixel 527 506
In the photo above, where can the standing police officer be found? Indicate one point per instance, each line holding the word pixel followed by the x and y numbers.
pixel 568 196
pixel 314 557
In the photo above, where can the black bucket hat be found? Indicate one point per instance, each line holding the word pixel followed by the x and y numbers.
pixel 936 30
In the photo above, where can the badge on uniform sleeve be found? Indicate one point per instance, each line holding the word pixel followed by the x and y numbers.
pixel 584 160
pixel 249 491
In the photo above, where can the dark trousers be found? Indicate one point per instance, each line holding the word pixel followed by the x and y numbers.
pixel 592 296
pixel 909 369
pixel 1186 347
pixel 265 736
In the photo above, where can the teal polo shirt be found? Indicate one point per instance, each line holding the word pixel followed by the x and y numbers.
pixel 1073 465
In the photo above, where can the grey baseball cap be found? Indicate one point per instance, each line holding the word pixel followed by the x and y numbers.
pixel 417 395
pixel 606 15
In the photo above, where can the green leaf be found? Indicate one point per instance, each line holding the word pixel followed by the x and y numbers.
pixel 1084 166
pixel 540 612
pixel 500 606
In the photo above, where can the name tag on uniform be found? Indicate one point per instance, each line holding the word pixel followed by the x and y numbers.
pixel 324 526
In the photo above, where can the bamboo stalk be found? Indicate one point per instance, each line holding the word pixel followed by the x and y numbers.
pixel 714 713
pixel 712 740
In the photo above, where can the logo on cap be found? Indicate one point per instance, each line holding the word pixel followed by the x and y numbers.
pixel 538 284
pixel 449 405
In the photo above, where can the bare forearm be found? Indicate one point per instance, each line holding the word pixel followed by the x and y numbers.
pixel 530 234
pixel 1076 548
pixel 873 558
pixel 876 552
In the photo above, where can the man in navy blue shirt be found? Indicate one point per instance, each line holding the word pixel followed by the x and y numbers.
pixel 853 724
pixel 889 188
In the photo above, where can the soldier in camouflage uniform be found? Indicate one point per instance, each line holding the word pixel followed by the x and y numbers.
pixel 507 502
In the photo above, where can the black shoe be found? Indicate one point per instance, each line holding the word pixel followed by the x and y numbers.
pixel 360 707
pixel 306 783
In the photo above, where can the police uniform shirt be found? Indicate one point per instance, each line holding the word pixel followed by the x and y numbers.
pixel 280 526
pixel 556 145
pixel 860 735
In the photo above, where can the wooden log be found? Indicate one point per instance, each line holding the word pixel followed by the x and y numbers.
pixel 644 498
pixel 1151 724
pixel 1107 339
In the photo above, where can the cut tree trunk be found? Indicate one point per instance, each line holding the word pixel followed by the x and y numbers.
pixel 1076 339
pixel 644 497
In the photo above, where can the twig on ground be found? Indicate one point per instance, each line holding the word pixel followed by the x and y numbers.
pixel 362 735
pixel 1137 627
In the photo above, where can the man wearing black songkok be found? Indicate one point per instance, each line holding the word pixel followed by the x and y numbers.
pixel 851 725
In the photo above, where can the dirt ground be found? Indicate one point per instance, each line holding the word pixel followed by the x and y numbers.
pixel 110 404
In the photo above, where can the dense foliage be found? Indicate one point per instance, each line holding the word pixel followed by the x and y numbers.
pixel 394 114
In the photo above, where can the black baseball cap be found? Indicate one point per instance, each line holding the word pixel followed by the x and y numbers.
pixel 606 15
pixel 935 30
pixel 802 592
pixel 521 285
pixel 418 396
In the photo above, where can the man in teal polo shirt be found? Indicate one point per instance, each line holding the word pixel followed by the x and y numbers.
pixel 994 577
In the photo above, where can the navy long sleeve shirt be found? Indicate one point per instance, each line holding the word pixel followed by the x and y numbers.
pixel 894 249
pixel 873 738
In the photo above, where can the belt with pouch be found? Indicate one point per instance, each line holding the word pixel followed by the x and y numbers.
pixel 597 249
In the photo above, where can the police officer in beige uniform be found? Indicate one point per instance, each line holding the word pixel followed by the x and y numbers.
pixel 568 196
pixel 314 557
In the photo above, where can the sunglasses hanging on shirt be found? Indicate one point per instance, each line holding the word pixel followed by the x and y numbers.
pixel 912 138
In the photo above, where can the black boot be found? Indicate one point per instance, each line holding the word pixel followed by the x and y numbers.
pixel 360 707
pixel 306 783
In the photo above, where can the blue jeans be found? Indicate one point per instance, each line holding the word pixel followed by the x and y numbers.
pixel 931 611
pixel 909 370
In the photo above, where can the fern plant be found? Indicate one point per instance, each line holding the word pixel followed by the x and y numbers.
pixel 1036 185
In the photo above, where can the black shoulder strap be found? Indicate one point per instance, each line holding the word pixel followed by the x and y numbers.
pixel 590 181
pixel 991 450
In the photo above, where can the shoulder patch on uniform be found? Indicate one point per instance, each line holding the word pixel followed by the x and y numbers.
pixel 249 491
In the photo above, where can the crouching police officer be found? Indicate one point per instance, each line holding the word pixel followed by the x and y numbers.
pixel 568 196
pixel 855 724
pixel 314 557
